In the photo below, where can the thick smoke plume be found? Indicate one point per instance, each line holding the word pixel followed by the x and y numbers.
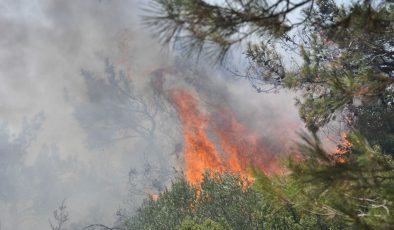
pixel 87 112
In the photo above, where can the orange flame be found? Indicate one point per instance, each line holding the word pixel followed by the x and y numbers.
pixel 342 149
pixel 153 195
pixel 237 148
pixel 200 152
pixel 241 146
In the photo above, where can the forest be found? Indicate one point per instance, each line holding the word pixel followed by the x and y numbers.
pixel 233 114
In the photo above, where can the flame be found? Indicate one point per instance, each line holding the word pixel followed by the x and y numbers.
pixel 237 147
pixel 199 152
pixel 241 145
pixel 342 149
pixel 154 196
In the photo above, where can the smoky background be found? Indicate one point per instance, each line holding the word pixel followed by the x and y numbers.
pixel 85 115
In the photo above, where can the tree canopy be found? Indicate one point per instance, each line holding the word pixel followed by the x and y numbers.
pixel 346 72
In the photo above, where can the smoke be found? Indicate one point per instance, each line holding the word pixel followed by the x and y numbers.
pixel 85 114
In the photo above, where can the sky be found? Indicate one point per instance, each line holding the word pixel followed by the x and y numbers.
pixel 70 130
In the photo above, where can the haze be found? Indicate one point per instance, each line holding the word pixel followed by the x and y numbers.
pixel 67 132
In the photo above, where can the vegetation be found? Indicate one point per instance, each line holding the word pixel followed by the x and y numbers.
pixel 354 186
pixel 350 190
pixel 346 75
pixel 342 67
pixel 221 202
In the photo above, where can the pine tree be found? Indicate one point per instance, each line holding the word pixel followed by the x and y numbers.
pixel 347 53
pixel 353 185
pixel 346 74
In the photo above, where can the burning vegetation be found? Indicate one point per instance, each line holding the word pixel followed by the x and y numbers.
pixel 218 142
pixel 342 150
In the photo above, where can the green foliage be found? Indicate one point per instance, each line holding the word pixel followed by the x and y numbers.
pixel 355 186
pixel 198 25
pixel 346 75
pixel 337 77
pixel 191 224
pixel 220 202
pixel 363 67
pixel 377 124
pixel 168 211
pixel 347 72
pixel 347 51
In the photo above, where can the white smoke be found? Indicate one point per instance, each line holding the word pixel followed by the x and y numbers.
pixel 82 139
